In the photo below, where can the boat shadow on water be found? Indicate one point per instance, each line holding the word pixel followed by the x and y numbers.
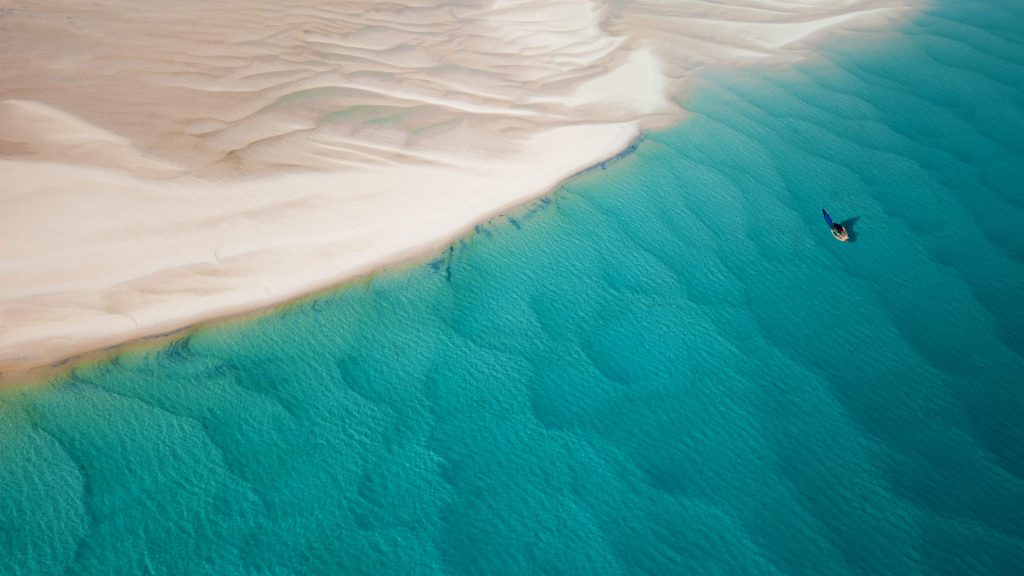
pixel 848 224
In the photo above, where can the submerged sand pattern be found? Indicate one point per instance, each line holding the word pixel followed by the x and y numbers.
pixel 162 164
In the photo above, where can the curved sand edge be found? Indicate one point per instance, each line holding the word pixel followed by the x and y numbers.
pixel 165 297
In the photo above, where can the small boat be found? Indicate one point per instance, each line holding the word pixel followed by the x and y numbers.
pixel 837 229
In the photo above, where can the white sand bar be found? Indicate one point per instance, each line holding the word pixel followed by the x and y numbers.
pixel 165 163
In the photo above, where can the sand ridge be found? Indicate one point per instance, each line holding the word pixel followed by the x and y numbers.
pixel 164 164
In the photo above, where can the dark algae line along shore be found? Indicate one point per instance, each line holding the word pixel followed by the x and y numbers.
pixel 670 367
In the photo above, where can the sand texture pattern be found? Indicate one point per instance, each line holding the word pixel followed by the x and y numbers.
pixel 162 164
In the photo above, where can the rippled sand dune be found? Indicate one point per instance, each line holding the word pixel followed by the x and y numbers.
pixel 162 164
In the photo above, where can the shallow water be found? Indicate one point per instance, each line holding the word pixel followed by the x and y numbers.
pixel 670 367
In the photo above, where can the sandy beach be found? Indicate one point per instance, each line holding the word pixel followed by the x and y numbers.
pixel 165 166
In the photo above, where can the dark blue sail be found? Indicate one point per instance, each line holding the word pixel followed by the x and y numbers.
pixel 828 219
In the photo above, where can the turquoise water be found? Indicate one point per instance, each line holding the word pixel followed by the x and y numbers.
pixel 669 367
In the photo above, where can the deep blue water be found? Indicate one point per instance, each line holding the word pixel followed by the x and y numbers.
pixel 668 367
